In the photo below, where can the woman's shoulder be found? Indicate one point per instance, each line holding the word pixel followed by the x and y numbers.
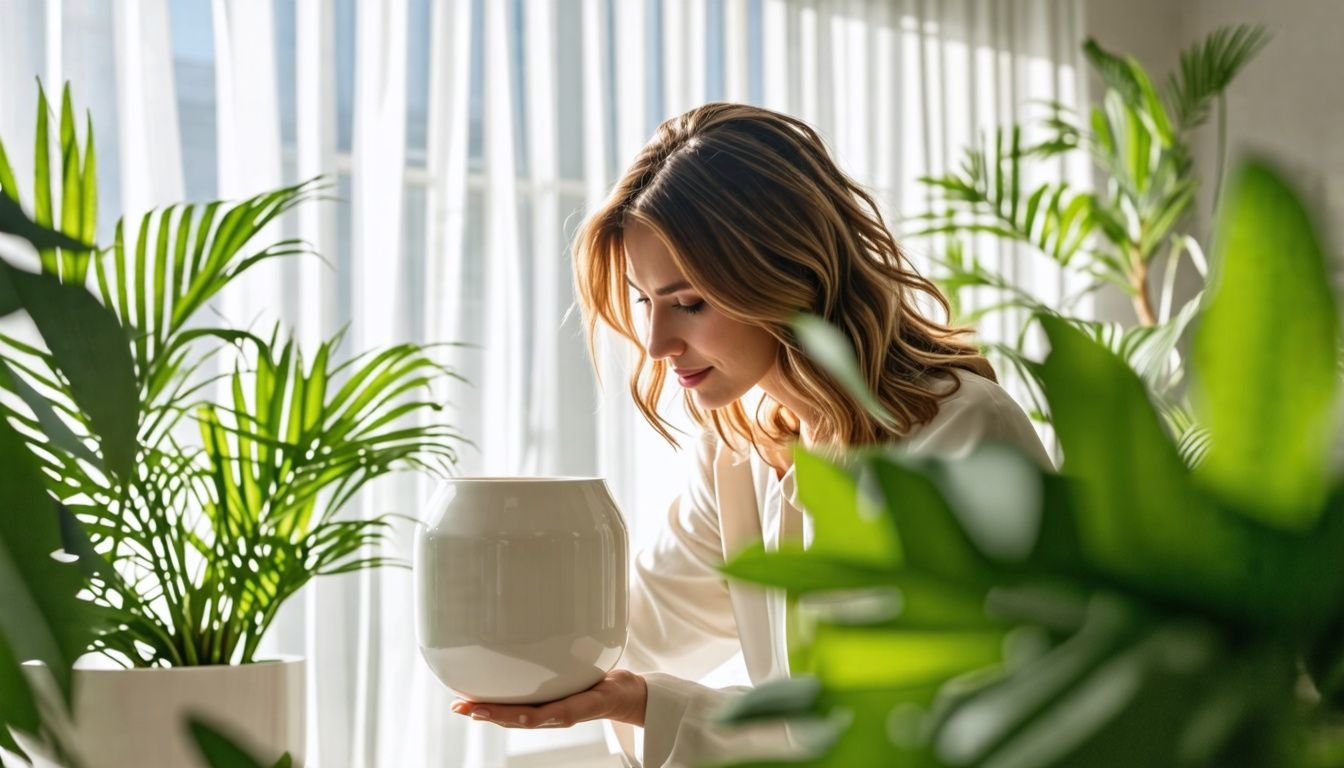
pixel 974 394
pixel 976 410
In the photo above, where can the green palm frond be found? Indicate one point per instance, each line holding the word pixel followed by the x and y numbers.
pixel 252 512
pixel 987 195
pixel 1064 134
pixel 1191 438
pixel 78 199
pixel 293 429
pixel 1115 71
pixel 960 271
pixel 1139 156
pixel 1208 68
pixel 179 258
pixel 1149 350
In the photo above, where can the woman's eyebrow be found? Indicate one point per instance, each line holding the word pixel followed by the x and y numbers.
pixel 680 285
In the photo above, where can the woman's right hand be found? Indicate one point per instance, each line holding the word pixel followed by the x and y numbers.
pixel 620 696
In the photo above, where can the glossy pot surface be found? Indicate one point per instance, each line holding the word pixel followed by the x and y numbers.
pixel 521 587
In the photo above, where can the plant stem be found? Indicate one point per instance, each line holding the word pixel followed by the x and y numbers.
pixel 1222 148
pixel 1138 280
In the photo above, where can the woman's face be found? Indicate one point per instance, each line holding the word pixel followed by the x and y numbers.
pixel 716 357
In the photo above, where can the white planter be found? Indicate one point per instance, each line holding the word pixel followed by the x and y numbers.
pixel 134 718
pixel 521 587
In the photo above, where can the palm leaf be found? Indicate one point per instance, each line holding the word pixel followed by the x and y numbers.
pixel 1149 350
pixel 181 257
pixel 986 196
pixel 1208 68
pixel 63 253
pixel 1114 71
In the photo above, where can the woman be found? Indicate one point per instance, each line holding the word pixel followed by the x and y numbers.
pixel 731 221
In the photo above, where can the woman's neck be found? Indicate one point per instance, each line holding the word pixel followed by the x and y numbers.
pixel 779 452
pixel 777 389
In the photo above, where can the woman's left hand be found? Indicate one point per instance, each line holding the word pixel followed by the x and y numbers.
pixel 620 696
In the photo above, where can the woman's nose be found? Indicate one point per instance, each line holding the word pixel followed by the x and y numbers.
pixel 660 340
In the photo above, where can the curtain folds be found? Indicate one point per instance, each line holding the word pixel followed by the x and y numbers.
pixel 463 140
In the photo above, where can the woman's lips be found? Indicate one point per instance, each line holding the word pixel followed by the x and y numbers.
pixel 689 379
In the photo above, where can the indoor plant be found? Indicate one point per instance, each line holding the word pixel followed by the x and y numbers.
pixel 1130 610
pixel 1138 141
pixel 188 545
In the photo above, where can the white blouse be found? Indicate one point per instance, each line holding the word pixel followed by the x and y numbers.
pixel 686 619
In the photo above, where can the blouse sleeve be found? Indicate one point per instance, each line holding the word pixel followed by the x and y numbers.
pixel 681 618
pixel 684 734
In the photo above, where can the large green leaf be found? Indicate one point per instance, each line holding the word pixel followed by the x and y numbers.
pixel 802 571
pixel 1124 690
pixel 54 428
pixel 9 300
pixel 932 539
pixel 824 343
pixel 222 751
pixel 996 495
pixel 91 350
pixel 847 522
pixel 1266 355
pixel 39 613
pixel 857 656
pixel 1130 476
pixel 841 727
pixel 13 221
pixel 1141 520
pixel 776 698
pixel 17 706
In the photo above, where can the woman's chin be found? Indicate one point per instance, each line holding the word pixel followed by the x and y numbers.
pixel 709 401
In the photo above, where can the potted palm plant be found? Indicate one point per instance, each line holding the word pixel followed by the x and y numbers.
pixel 205 514
pixel 1130 235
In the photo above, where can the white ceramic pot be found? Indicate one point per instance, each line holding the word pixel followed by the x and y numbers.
pixel 521 587
pixel 134 718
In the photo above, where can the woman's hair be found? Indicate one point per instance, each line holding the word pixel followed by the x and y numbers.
pixel 764 225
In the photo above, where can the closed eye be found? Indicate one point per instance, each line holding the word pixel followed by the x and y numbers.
pixel 690 309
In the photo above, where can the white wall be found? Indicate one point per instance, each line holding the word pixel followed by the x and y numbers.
pixel 1289 103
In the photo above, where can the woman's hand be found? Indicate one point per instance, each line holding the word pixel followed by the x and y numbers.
pixel 620 696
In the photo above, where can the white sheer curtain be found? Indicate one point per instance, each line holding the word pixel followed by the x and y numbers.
pixel 464 139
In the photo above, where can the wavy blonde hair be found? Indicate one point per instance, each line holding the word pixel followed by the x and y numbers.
pixel 764 225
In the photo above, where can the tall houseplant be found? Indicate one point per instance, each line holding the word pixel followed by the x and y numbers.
pixel 190 546
pixel 1138 139
pixel 1131 610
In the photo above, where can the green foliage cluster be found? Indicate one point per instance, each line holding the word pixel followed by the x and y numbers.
pixel 1129 610
pixel 1138 138
pixel 182 520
